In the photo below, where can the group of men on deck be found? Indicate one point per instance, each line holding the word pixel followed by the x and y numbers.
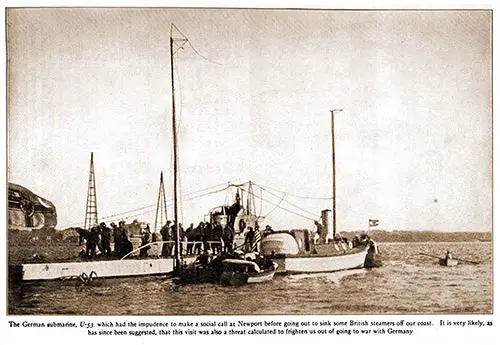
pixel 320 236
pixel 193 240
pixel 99 237
pixel 204 237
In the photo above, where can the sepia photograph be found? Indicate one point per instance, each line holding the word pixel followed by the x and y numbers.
pixel 246 161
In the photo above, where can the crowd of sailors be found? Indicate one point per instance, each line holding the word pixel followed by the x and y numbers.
pixel 100 236
pixel 205 237
pixel 194 240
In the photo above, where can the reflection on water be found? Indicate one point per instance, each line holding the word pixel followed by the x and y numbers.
pixel 408 283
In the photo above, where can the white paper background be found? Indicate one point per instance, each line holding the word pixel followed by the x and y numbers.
pixel 62 336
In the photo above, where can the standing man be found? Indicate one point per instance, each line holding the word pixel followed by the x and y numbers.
pixel 117 240
pixel 320 230
pixel 207 236
pixel 181 237
pixel 105 239
pixel 190 237
pixel 198 237
pixel 166 250
pixel 92 241
pixel 144 241
pixel 227 238
pixel 249 239
pixel 126 245
pixel 216 239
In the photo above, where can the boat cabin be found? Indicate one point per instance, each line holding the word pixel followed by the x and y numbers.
pixel 293 242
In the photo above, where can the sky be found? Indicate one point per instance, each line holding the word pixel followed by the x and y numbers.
pixel 254 90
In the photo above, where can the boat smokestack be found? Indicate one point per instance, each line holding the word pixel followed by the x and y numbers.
pixel 327 222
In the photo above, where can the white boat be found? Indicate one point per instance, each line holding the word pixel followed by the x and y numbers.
pixel 297 252
pixel 294 253
pixel 448 262
pixel 100 269
pixel 238 272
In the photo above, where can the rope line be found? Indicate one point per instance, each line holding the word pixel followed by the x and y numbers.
pixel 192 47
pixel 296 196
pixel 298 207
pixel 114 216
pixel 275 206
pixel 285 209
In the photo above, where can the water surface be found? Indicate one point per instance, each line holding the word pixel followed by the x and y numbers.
pixel 408 283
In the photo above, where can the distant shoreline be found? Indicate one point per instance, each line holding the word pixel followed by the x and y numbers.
pixel 56 245
pixel 428 236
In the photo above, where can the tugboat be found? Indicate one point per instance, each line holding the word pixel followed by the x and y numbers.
pixel 238 261
pixel 238 272
pixel 228 269
pixel 295 252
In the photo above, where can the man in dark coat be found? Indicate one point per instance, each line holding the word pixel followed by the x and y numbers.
pixel 83 235
pixel 144 241
pixel 267 231
pixel 181 236
pixel 117 240
pixel 198 237
pixel 126 245
pixel 227 238
pixel 207 236
pixel 165 233
pixel 216 239
pixel 190 236
pixel 105 239
pixel 92 239
pixel 249 239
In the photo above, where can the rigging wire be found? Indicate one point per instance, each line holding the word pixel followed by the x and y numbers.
pixel 122 213
pixel 260 212
pixel 192 47
pixel 283 208
pixel 107 218
pixel 180 188
pixel 179 47
pixel 131 216
pixel 275 206
pixel 184 40
pixel 290 211
pixel 117 216
pixel 292 204
pixel 203 57
pixel 179 121
pixel 297 196
pixel 231 194
pixel 178 124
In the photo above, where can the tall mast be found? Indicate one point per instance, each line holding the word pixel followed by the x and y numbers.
pixel 161 205
pixel 91 207
pixel 174 138
pixel 334 210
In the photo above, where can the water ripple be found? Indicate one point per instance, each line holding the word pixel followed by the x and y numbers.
pixel 407 283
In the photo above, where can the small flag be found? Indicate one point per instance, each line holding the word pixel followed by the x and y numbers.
pixel 373 222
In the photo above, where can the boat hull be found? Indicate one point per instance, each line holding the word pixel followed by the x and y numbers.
pixel 448 262
pixel 235 277
pixel 319 264
pixel 262 277
pixel 103 269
